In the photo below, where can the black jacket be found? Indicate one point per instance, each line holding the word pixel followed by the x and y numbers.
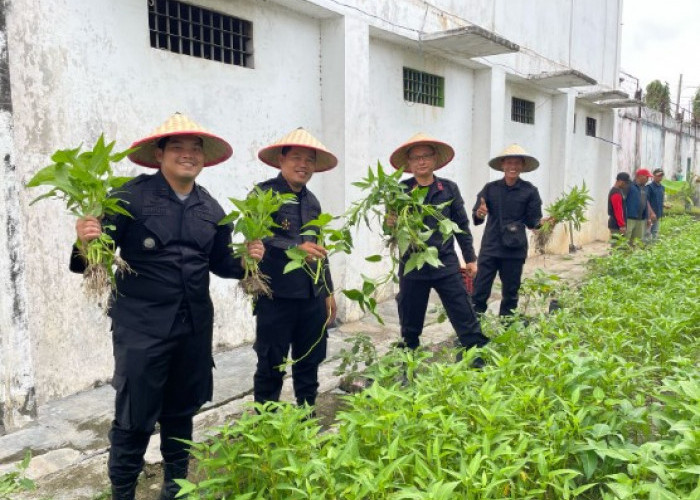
pixel 440 191
pixel 520 202
pixel 171 246
pixel 290 218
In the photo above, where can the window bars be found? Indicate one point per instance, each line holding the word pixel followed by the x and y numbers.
pixel 522 111
pixel 198 32
pixel 423 88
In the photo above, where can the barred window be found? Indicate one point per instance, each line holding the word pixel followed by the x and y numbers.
pixel 423 88
pixel 590 126
pixel 198 32
pixel 522 111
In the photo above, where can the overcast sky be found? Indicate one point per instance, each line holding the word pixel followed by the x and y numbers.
pixel 661 40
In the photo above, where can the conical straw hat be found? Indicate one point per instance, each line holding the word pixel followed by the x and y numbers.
pixel 531 162
pixel 216 149
pixel 444 152
pixel 325 160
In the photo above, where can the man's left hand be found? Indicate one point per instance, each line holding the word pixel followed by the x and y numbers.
pixel 331 308
pixel 470 267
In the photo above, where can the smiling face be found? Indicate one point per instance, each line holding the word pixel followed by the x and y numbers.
pixel 512 167
pixel 297 166
pixel 422 160
pixel 181 159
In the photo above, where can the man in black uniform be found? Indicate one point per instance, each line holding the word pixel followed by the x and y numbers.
pixel 162 314
pixel 299 311
pixel 512 204
pixel 421 156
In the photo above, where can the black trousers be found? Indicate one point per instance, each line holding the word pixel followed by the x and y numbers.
pixel 412 302
pixel 509 270
pixel 285 323
pixel 164 380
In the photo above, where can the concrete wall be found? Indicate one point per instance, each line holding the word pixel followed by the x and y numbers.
pixel 335 69
pixel 650 140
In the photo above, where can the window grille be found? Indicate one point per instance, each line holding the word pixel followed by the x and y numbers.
pixel 590 126
pixel 522 111
pixel 423 88
pixel 198 32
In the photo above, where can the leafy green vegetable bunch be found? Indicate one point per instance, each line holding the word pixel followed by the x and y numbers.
pixel 385 197
pixel 85 181
pixel 253 219
pixel 569 207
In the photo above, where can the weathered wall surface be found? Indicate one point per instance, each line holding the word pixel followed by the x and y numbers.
pixel 651 140
pixel 334 69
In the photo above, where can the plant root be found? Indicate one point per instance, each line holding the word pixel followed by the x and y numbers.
pixel 256 284
pixel 97 285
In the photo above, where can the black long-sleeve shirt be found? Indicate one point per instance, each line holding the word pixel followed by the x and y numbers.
pixel 440 191
pixel 171 246
pixel 290 218
pixel 520 202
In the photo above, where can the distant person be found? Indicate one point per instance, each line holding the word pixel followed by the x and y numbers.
pixel 637 207
pixel 617 213
pixel 656 193
pixel 511 204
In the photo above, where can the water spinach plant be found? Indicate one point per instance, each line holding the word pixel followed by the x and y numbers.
pixel 598 401
pixel 86 182
pixel 253 219
pixel 407 237
pixel 570 207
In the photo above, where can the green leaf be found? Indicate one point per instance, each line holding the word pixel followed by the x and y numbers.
pixel 374 258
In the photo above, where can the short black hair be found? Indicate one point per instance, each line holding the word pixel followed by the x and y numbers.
pixel 623 176
pixel 285 150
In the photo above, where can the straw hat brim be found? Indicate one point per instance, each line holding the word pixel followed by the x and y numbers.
pixel 399 158
pixel 531 163
pixel 325 160
pixel 216 150
pixel 515 151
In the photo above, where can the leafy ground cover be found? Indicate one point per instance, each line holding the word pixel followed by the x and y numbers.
pixel 598 400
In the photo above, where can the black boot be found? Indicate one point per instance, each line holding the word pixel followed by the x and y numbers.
pixel 172 471
pixel 124 492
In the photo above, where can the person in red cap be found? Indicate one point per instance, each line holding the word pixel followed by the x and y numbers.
pixel 162 314
pixel 637 206
pixel 421 156
pixel 299 311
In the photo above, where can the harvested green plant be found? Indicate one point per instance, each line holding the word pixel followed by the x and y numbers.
pixel 253 219
pixel 569 207
pixel 87 184
pixel 386 195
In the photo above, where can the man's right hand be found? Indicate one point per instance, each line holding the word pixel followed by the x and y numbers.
pixel 622 230
pixel 482 210
pixel 87 229
pixel 313 251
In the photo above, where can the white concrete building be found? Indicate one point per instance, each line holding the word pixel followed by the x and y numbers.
pixel 502 71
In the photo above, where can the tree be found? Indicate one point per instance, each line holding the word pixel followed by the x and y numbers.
pixel 696 107
pixel 658 97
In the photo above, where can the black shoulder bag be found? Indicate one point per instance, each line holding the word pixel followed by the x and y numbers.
pixel 512 234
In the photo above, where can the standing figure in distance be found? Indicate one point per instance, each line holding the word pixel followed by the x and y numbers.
pixel 511 204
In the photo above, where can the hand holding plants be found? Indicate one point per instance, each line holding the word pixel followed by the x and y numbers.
pixel 253 219
pixel 86 183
